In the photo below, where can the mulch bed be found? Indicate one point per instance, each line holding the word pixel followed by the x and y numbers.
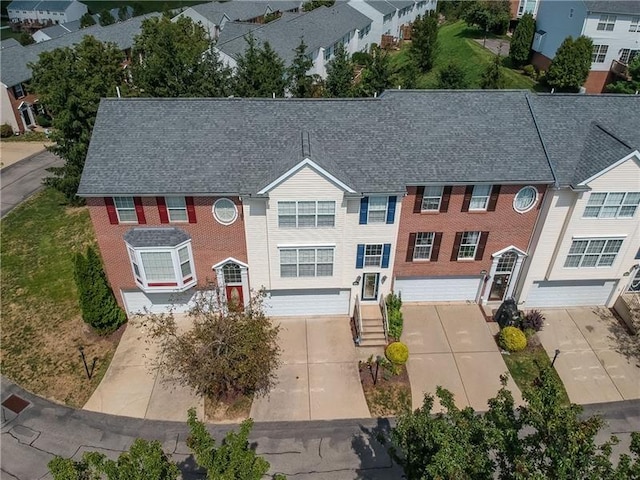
pixel 391 395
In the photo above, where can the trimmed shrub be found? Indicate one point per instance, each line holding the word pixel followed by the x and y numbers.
pixel 534 320
pixel 99 307
pixel 397 353
pixel 512 339
pixel 361 58
pixel 6 130
pixel 43 121
pixel 529 70
pixel 394 315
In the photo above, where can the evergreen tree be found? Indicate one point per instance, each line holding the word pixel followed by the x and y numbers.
pixel 452 77
pixel 260 71
pixel 570 67
pixel 492 77
pixel 300 83
pixel 123 13
pixel 340 73
pixel 424 41
pixel 520 48
pixel 376 77
pixel 273 73
pixel 106 18
pixel 87 20
pixel 70 82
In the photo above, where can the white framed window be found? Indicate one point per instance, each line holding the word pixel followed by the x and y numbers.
pixel 373 255
pixel 126 209
pixel 225 211
pixel 627 55
pixel 163 268
pixel 468 245
pixel 424 246
pixel 480 197
pixel 525 199
pixel 599 53
pixel 307 214
pixel 377 212
pixel 612 205
pixel 606 23
pixel 388 17
pixel 431 199
pixel 18 90
pixel 634 26
pixel 176 209
pixel 593 252
pixel 306 262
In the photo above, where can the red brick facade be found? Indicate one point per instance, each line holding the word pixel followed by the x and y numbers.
pixel 15 103
pixel 211 242
pixel 505 227
pixel 596 81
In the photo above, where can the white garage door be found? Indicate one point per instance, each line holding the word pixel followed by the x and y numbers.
pixel 136 301
pixel 282 303
pixel 438 289
pixel 570 293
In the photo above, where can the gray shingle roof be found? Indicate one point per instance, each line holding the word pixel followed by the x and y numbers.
pixel 382 6
pixel 15 60
pixel 155 237
pixel 321 27
pixel 578 147
pixel 241 9
pixel 51 5
pixel 616 6
pixel 400 4
pixel 205 146
pixel 8 43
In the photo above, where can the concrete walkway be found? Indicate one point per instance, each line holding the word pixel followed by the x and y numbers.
pixel 452 346
pixel 131 388
pixel 595 363
pixel 319 378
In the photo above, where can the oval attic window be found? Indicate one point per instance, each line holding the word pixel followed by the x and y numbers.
pixel 225 211
pixel 525 199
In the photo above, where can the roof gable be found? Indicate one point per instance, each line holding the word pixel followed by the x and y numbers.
pixel 307 162
pixel 635 155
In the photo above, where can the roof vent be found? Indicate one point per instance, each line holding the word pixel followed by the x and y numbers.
pixel 306 144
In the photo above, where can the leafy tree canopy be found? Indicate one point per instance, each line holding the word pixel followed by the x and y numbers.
pixel 452 77
pixel 106 18
pixel 493 77
pixel 520 48
pixel 260 71
pixel 424 41
pixel 313 4
pixel 570 67
pixel 628 86
pixel 87 20
pixel 376 76
pixel 489 15
pixel 340 75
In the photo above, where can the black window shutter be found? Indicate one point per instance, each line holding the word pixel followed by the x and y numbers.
pixel 417 206
pixel 481 245
pixel 493 198
pixel 411 246
pixel 467 198
pixel 456 247
pixel 435 250
pixel 446 196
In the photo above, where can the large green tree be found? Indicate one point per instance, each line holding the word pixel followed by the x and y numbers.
pixel 106 18
pixel 543 439
pixel 87 20
pixel 300 83
pixel 70 82
pixel 632 85
pixel 376 76
pixel 260 72
pixel 488 15
pixel 424 41
pixel 175 59
pixel 570 67
pixel 520 47
pixel 340 75
pixel 452 77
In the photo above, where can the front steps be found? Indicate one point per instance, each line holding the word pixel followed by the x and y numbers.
pixel 372 334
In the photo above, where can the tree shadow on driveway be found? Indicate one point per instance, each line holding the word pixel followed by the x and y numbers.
pixel 371 446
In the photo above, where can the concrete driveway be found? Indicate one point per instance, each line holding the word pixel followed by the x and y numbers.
pixel 452 346
pixel 131 388
pixel 598 361
pixel 319 378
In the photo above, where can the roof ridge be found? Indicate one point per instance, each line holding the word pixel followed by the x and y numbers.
pixel 610 133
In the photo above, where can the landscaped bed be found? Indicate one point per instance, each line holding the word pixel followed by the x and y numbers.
pixel 41 323
pixel 390 394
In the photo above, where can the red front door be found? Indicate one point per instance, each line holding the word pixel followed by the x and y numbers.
pixel 234 297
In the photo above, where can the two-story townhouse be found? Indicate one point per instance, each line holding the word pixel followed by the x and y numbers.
pixel 614 27
pixel 586 250
pixel 322 30
pixel 45 12
pixel 519 7
pixel 19 106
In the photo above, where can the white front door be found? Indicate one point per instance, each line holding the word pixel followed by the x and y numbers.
pixel 370 286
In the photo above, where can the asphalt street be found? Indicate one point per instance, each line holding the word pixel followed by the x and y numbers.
pixel 24 178
pixel 333 450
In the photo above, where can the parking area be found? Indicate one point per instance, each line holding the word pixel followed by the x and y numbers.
pixel 598 360
pixel 319 378
pixel 452 346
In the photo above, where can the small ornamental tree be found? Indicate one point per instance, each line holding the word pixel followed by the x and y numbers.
pixel 106 18
pixel 424 41
pixel 228 352
pixel 452 77
pixel 492 77
pixel 99 307
pixel 376 77
pixel 87 20
pixel 25 38
pixel 570 67
pixel 340 74
pixel 520 47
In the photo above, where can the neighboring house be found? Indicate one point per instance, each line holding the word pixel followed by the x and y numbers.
pixel 519 7
pixel 586 250
pixel 56 31
pixel 19 106
pixel 214 15
pixel 614 27
pixel 388 17
pixel 322 30
pixel 46 12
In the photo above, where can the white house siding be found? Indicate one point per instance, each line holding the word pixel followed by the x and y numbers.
pixel 563 221
pixel 73 12
pixel 376 19
pixel 264 237
pixel 617 39
pixel 227 60
pixel 6 112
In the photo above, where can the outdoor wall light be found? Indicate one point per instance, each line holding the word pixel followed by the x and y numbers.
pixel 483 272
pixel 357 280
pixel 384 278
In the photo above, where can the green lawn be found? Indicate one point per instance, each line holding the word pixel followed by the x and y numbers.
pixel 524 367
pixel 41 322
pixel 456 44
pixel 6 33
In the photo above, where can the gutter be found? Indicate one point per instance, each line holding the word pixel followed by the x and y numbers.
pixel 556 183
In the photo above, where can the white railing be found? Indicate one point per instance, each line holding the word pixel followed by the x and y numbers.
pixel 385 317
pixel 358 318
